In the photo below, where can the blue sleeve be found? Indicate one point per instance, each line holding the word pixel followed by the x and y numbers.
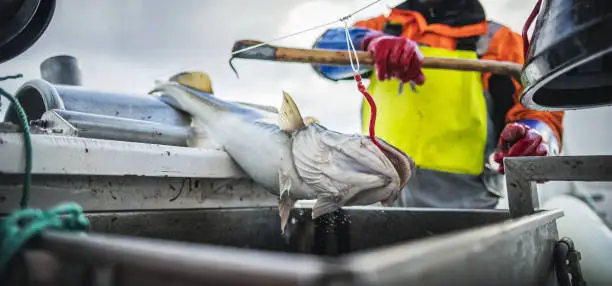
pixel 335 39
pixel 547 133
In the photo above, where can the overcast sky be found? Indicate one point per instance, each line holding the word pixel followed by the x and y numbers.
pixel 124 45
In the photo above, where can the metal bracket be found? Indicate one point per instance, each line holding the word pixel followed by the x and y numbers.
pixel 57 124
pixel 522 172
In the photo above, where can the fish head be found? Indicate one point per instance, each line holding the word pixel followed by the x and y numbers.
pixel 349 169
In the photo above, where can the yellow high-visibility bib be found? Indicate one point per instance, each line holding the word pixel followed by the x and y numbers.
pixel 443 126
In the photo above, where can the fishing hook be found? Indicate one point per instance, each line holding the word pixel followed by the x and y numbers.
pixel 232 66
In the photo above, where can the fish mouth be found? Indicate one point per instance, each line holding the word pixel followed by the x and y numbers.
pixel 403 165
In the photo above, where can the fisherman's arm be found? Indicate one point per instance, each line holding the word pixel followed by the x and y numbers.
pixel 394 57
pixel 335 39
pixel 527 132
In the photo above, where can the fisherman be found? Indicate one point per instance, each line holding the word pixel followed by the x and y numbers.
pixel 457 126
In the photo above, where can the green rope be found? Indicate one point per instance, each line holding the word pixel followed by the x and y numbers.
pixel 24 224
pixel 27 180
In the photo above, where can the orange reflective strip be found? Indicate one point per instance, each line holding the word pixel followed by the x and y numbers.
pixel 458 32
pixel 437 41
pixel 404 17
pixel 374 23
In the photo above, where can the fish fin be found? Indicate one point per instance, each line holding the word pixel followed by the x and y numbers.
pixel 285 204
pixel 289 116
pixel 325 205
pixel 284 183
pixel 196 80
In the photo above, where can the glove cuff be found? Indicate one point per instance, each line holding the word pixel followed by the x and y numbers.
pixel 368 38
pixel 547 133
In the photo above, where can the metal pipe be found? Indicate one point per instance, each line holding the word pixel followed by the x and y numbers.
pixel 122 129
pixel 61 69
pixel 39 96
pixel 140 259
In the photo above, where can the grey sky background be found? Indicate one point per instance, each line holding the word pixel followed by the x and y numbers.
pixel 124 45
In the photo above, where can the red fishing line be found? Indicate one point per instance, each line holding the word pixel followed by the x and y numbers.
pixel 532 16
pixel 372 104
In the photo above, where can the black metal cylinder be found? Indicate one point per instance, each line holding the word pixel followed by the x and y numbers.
pixel 569 65
pixel 61 69
pixel 22 22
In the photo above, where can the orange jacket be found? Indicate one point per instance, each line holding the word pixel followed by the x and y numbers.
pixel 505 45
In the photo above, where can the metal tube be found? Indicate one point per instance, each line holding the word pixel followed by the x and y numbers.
pixel 62 69
pixel 39 96
pixel 124 129
pixel 184 262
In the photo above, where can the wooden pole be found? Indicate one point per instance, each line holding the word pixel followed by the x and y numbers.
pixel 332 57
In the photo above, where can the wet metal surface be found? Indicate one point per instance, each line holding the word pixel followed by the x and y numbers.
pixel 385 248
pixel 107 193
pixel 259 228
pixel 66 157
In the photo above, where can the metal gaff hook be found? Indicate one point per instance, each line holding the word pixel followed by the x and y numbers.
pixel 232 66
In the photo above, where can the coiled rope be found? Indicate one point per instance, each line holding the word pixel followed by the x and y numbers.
pixel 24 224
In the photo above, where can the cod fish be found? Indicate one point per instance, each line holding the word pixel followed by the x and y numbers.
pixel 290 158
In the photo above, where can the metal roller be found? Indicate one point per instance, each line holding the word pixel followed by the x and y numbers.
pixel 39 96
pixel 114 128
pixel 103 115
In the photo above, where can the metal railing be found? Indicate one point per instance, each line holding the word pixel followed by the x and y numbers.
pixel 523 173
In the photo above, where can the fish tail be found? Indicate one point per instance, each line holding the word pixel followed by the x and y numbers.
pixel 201 104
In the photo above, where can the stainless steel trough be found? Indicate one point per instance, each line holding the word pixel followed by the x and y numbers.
pixel 353 247
pixel 356 246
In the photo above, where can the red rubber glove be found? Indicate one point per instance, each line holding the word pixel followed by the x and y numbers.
pixel 395 57
pixel 519 140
